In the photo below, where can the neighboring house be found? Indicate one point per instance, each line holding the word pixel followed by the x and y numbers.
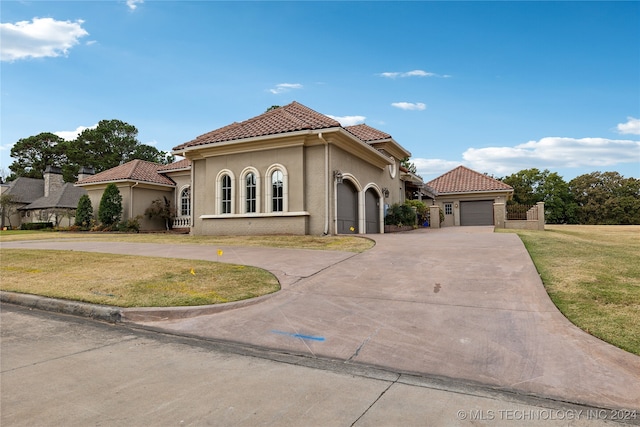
pixel 467 197
pixel 43 200
pixel 140 183
pixel 291 170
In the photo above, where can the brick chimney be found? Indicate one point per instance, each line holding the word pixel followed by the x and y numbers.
pixel 85 172
pixel 53 180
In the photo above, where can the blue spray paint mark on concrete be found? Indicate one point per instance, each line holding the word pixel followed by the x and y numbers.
pixel 304 337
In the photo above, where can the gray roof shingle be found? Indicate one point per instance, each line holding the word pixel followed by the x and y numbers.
pixel 66 197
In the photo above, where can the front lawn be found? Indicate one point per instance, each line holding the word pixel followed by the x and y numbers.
pixel 592 274
pixel 130 281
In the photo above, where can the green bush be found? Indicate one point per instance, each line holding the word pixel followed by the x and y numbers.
pixel 84 213
pixel 36 225
pixel 130 226
pixel 110 210
pixel 400 215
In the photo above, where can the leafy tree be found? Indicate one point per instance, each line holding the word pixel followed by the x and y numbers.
pixel 606 198
pixel 84 212
pixel 111 143
pixel 531 186
pixel 33 154
pixel 162 209
pixel 110 209
pixel 410 166
pixel 9 206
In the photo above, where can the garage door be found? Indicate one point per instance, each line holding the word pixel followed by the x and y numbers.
pixel 476 213
pixel 347 208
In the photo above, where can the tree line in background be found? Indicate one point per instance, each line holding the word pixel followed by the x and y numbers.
pixel 594 198
pixel 111 143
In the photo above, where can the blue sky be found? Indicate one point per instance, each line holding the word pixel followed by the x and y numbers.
pixel 496 86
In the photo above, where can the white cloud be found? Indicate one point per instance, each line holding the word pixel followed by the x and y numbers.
pixel 285 87
pixel 348 120
pixel 431 168
pixel 70 135
pixel 409 105
pixel 413 73
pixel 42 37
pixel 553 153
pixel 133 4
pixel 632 126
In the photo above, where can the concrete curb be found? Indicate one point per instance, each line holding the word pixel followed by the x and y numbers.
pixel 117 314
pixel 94 311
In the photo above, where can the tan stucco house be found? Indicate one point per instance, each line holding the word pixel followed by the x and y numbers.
pixel 140 183
pixel 467 197
pixel 292 170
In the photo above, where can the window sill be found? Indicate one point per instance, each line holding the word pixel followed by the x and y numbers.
pixel 256 215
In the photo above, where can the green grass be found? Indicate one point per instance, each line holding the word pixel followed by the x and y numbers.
pixel 331 243
pixel 130 281
pixel 592 274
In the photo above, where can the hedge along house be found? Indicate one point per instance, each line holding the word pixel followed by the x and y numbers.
pixel 292 170
pixel 468 197
pixel 140 183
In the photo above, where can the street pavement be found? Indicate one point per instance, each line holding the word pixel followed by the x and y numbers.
pixel 60 370
pixel 456 305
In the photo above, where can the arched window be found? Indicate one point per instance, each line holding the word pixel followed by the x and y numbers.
pixel 185 202
pixel 225 206
pixel 277 191
pixel 250 192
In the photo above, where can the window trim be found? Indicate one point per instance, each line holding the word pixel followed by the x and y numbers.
pixel 269 189
pixel 220 195
pixel 181 200
pixel 243 190
pixel 448 208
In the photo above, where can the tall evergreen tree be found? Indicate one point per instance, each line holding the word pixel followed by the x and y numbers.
pixel 84 212
pixel 110 210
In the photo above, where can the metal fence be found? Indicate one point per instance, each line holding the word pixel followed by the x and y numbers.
pixel 522 212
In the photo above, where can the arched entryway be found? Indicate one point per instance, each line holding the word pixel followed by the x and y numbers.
pixel 347 218
pixel 372 211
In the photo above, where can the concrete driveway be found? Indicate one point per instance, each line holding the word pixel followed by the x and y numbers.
pixel 460 303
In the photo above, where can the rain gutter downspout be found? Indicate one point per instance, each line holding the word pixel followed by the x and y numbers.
pixel 131 200
pixel 326 184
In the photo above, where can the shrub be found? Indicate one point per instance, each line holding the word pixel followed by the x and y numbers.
pixel 162 209
pixel 130 226
pixel 400 215
pixel 84 212
pixel 36 225
pixel 110 210
pixel 421 209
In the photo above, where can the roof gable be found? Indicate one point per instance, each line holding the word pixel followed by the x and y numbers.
pixel 66 197
pixel 26 190
pixel 290 118
pixel 465 180
pixel 135 170
pixel 366 133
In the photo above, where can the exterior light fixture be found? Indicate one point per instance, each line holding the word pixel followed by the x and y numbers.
pixel 338 176
pixel 385 191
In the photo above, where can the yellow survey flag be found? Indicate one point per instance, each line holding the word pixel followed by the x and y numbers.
pixel 220 252
pixel 352 229
pixel 193 272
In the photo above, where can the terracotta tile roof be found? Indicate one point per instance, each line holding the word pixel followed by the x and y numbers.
pixel 180 164
pixel 465 180
pixel 366 133
pixel 135 170
pixel 290 118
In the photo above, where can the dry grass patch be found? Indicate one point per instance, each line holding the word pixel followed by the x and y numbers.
pixel 592 274
pixel 332 243
pixel 130 281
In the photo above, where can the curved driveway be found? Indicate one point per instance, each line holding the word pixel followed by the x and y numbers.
pixel 462 303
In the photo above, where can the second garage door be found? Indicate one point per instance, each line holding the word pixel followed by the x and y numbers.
pixel 476 213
